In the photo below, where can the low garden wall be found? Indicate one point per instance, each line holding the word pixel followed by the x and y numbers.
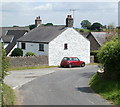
pixel 28 61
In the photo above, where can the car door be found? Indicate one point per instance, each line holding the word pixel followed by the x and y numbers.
pixel 77 62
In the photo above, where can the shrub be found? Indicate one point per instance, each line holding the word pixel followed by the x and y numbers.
pixel 17 52
pixel 5 61
pixel 29 54
pixel 94 53
pixel 109 57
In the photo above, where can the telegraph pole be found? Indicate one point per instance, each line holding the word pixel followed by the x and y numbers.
pixel 73 11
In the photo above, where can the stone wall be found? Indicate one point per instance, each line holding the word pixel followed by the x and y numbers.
pixel 28 61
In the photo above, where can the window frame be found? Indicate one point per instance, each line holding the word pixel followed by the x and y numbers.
pixel 23 46
pixel 41 47
pixel 65 46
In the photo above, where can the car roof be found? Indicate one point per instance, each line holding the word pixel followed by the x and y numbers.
pixel 70 57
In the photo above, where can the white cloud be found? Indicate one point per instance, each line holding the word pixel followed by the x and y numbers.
pixel 47 6
pixel 24 13
pixel 60 1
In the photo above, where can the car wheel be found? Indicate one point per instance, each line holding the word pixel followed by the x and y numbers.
pixel 83 64
pixel 70 65
pixel 61 66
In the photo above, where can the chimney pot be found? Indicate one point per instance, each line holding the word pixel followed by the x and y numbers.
pixel 69 21
pixel 38 21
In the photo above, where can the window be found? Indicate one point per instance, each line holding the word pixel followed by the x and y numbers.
pixel 41 47
pixel 65 46
pixel 23 45
pixel 76 59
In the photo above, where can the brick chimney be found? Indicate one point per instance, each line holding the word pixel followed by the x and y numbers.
pixel 38 21
pixel 69 21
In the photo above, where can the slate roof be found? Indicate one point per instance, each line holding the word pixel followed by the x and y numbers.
pixel 11 34
pixel 43 34
pixel 85 34
pixel 17 34
pixel 4 30
pixel 100 37
pixel 7 38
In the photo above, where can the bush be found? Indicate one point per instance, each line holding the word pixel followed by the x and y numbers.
pixel 17 52
pixel 29 54
pixel 5 63
pixel 94 53
pixel 109 57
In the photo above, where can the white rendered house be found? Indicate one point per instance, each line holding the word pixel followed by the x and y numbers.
pixel 56 42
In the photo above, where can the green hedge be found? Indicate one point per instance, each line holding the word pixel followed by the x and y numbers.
pixel 109 57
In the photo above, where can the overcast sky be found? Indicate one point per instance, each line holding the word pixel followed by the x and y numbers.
pixel 24 13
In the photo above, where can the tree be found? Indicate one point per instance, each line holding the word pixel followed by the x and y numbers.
pixel 17 52
pixel 96 26
pixel 109 57
pixel 48 24
pixel 15 26
pixel 85 24
pixel 32 26
pixel 4 63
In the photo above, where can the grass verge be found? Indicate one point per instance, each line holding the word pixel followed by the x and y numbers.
pixel 8 95
pixel 109 89
pixel 31 67
pixel 93 64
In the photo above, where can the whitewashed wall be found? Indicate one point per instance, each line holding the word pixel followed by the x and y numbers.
pixel 78 46
pixel 34 47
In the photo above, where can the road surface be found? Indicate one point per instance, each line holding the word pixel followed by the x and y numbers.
pixel 68 86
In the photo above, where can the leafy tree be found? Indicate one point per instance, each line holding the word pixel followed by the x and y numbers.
pixel 48 24
pixel 4 63
pixel 96 26
pixel 17 52
pixel 30 54
pixel 32 26
pixel 15 26
pixel 109 57
pixel 85 24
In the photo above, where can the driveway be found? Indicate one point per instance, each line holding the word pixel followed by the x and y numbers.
pixel 66 86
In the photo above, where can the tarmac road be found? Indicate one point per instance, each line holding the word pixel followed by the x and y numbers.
pixel 67 86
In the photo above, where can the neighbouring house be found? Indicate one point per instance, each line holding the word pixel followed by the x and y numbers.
pixel 9 36
pixel 97 39
pixel 85 34
pixel 56 42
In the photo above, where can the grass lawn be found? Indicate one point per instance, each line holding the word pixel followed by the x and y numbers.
pixel 31 67
pixel 109 89
pixel 8 95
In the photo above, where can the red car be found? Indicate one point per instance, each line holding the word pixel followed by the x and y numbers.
pixel 71 61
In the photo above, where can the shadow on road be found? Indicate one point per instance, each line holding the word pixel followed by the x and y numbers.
pixel 87 75
pixel 85 89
